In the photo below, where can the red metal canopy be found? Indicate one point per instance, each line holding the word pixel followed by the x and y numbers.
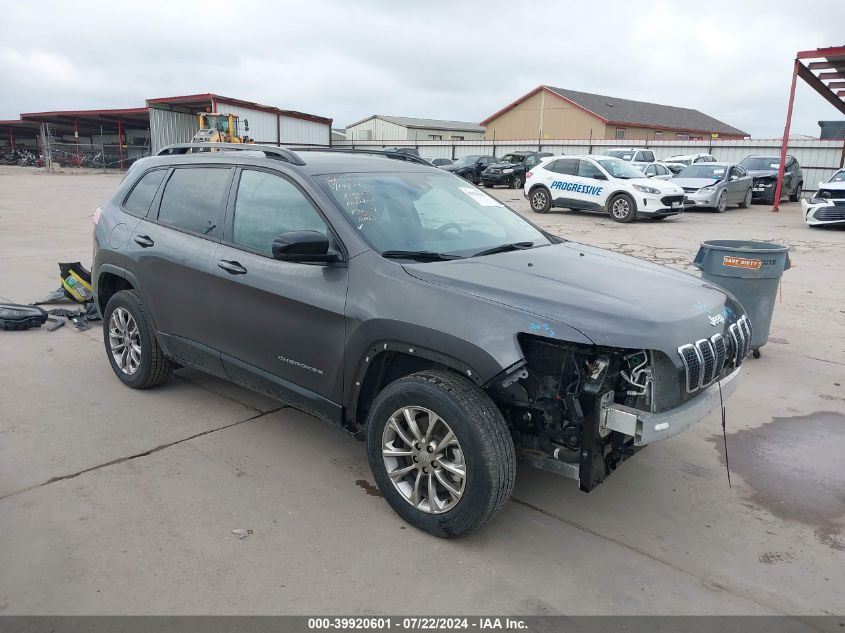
pixel 825 83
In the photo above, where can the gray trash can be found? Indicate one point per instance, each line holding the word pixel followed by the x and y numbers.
pixel 751 272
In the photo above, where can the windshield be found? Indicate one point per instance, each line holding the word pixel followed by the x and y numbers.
pixel 838 176
pixel 620 154
pixel 466 160
pixel 421 211
pixel 513 159
pixel 681 160
pixel 620 169
pixel 761 162
pixel 704 170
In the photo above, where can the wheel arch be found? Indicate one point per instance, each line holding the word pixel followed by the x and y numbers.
pixel 111 279
pixel 385 360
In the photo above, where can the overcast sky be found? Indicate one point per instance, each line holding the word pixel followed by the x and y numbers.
pixel 445 60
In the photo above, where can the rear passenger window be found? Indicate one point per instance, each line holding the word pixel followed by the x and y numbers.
pixel 566 166
pixel 194 199
pixel 141 197
pixel 267 206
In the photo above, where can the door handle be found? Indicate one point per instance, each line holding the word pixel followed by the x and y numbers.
pixel 231 267
pixel 144 241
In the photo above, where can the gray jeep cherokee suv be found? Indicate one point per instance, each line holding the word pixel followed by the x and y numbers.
pixel 409 308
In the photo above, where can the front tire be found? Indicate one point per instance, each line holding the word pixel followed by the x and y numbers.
pixel 440 452
pixel 131 346
pixel 516 182
pixel 746 202
pixel 540 200
pixel 622 208
pixel 722 202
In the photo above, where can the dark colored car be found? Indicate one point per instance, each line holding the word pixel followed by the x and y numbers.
pixel 764 171
pixel 441 162
pixel 412 310
pixel 470 167
pixel 511 168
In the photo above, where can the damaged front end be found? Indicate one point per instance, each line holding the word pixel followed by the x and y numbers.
pixel 580 410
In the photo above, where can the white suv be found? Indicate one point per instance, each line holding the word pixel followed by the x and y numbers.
pixel 601 183
pixel 636 155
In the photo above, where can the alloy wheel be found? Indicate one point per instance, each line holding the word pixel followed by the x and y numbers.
pixel 723 202
pixel 621 208
pixel 538 199
pixel 125 341
pixel 424 459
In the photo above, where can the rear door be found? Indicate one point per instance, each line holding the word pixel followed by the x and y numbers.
pixel 280 325
pixel 173 249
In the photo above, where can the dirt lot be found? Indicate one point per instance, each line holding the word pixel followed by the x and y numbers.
pixel 115 501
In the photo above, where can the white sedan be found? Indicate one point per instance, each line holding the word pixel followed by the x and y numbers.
pixel 601 183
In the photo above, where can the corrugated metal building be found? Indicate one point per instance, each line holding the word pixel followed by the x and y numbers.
pixel 174 120
pixel 162 121
pixel 380 127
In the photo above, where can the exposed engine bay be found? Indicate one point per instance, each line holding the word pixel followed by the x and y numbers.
pixel 553 405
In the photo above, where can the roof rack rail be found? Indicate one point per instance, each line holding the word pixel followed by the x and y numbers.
pixel 269 150
pixel 412 158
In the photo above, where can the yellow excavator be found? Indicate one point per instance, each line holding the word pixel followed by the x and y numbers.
pixel 219 128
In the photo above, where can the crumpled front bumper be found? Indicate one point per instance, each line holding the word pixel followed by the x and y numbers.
pixel 826 213
pixel 647 428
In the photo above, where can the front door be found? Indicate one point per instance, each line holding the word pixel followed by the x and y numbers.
pixel 279 325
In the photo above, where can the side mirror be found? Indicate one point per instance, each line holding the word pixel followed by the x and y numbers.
pixel 734 177
pixel 303 246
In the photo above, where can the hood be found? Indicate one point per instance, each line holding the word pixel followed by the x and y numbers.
pixel 613 299
pixel 763 173
pixel 505 165
pixel 664 186
pixel 454 167
pixel 833 186
pixel 694 183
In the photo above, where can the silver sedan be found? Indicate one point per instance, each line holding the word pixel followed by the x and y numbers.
pixel 715 185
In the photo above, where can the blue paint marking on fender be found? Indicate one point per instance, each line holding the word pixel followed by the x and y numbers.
pixel 574 187
pixel 542 327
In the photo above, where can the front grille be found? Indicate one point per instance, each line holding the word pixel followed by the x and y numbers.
pixel 830 213
pixel 690 189
pixel 705 360
pixel 708 360
pixel 668 200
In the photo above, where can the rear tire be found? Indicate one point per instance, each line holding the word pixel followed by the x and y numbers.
pixel 131 345
pixel 481 449
pixel 540 200
pixel 795 196
pixel 622 208
pixel 746 202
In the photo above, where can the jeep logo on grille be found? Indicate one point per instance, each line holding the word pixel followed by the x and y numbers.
pixel 717 319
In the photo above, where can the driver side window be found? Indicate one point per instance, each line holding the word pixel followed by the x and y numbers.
pixel 267 206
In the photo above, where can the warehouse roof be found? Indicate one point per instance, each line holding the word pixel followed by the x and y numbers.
pixel 196 102
pixel 427 124
pixel 618 111
pixel 832 129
